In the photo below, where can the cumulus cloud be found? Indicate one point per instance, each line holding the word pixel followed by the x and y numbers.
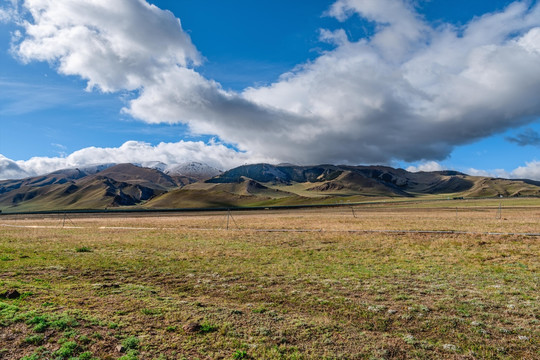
pixel 212 153
pixel 479 172
pixel 530 171
pixel 496 173
pixel 411 91
pixel 399 27
pixel 527 137
pixel 9 169
pixel 427 166
pixel 114 45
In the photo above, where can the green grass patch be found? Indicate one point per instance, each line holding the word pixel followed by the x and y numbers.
pixel 34 339
pixel 131 342
pixel 207 327
pixel 68 350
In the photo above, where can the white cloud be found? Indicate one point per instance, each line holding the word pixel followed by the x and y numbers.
pixel 115 45
pixel 8 12
pixel 530 171
pixel 399 27
pixel 409 92
pixel 427 166
pixel 4 16
pixel 338 37
pixel 9 169
pixel 479 172
pixel 495 173
pixel 212 153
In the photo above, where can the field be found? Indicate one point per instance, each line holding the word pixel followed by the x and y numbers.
pixel 449 279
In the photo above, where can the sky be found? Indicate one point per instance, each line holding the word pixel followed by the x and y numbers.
pixel 422 85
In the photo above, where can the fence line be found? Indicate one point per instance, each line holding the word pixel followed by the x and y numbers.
pixel 352 231
pixel 369 231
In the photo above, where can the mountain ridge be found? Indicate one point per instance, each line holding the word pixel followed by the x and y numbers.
pixel 130 185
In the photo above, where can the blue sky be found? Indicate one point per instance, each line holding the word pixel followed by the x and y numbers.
pixel 235 56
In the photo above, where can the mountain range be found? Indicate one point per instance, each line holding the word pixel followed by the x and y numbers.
pixel 195 185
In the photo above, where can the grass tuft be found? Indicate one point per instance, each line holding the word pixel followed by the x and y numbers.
pixel 131 342
pixel 34 339
pixel 67 350
pixel 207 327
pixel 240 354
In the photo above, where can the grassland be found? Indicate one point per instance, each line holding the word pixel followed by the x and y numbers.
pixel 182 286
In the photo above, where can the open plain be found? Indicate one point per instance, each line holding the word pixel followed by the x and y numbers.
pixel 455 279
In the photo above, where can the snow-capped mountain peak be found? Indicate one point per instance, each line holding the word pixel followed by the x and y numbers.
pixel 193 169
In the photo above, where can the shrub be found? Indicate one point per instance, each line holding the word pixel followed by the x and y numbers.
pixel 41 323
pixel 87 355
pixel 67 350
pixel 131 342
pixel 41 327
pixel 63 322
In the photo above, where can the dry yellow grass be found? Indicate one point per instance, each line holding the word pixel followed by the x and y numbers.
pixel 276 295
